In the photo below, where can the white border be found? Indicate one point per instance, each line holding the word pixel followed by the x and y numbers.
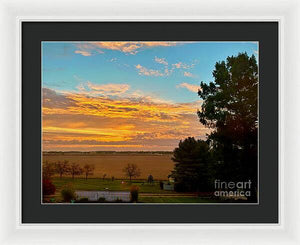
pixel 287 12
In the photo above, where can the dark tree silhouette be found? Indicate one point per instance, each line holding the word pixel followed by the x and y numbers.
pixel 230 109
pixel 131 170
pixel 192 166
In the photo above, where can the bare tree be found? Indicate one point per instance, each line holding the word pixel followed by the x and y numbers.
pixel 88 169
pixel 131 170
pixel 62 167
pixel 75 169
pixel 48 170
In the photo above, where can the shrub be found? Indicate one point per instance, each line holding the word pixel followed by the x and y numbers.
pixel 150 179
pixel 101 199
pixel 134 193
pixel 119 200
pixel 68 193
pixel 48 187
pixel 161 185
pixel 84 199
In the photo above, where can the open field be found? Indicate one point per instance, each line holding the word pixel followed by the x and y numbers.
pixel 112 164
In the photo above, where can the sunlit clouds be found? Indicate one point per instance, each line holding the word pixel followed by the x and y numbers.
pixel 161 61
pixel 125 47
pixel 149 72
pixel 190 87
pixel 166 69
pixel 84 53
pixel 181 65
pixel 114 122
pixel 126 95
pixel 91 89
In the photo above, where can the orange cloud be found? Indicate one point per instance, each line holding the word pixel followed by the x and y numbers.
pixel 109 89
pixel 100 122
pixel 84 53
pixel 130 47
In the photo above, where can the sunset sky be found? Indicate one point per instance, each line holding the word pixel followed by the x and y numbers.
pixel 126 96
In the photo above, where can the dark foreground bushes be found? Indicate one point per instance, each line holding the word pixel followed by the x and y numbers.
pixel 68 193
pixel 48 187
pixel 134 193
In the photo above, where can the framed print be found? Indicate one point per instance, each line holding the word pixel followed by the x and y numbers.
pixel 46 47
pixel 138 125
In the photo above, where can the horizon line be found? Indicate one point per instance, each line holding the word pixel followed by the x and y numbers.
pixel 106 151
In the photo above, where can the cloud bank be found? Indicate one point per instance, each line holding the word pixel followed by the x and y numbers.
pixel 115 119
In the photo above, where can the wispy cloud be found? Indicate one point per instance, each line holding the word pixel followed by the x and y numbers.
pixel 180 65
pixel 161 61
pixel 149 72
pixel 188 86
pixel 85 49
pixel 84 53
pixel 188 74
pixel 167 70
pixel 109 89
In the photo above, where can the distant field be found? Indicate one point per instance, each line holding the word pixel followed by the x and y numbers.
pixel 159 165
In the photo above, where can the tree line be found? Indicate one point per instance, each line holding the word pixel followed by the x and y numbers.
pixel 65 168
pixel 74 169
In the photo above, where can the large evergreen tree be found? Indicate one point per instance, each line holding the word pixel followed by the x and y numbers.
pixel 192 161
pixel 230 109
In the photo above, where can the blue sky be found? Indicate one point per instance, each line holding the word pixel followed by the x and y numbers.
pixel 63 69
pixel 126 95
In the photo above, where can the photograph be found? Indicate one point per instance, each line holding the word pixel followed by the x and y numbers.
pixel 149 122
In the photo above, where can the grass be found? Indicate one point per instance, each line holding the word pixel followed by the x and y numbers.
pixel 147 191
pixel 97 184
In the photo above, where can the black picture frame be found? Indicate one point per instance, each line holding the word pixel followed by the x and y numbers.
pixel 266 33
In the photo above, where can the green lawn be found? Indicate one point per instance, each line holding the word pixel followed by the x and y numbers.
pixel 97 184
